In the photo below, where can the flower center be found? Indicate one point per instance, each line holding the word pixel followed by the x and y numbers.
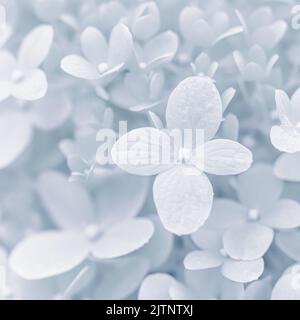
pixel 185 155
pixel 143 65
pixel 17 75
pixel 92 232
pixel 253 215
pixel 102 67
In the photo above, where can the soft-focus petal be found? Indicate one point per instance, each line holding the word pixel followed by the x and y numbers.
pixel 68 203
pixel 289 243
pixel 258 188
pixel 249 241
pixel 123 238
pixel 161 49
pixel 94 45
pixel 34 86
pixel 7 65
pixel 79 67
pixel 121 278
pixel 284 215
pixel 287 167
pixel 120 46
pixel 5 90
pixel 48 254
pixel 201 260
pixel 243 271
pixel 35 47
pixel 183 197
pixel 225 157
pixel 156 287
pixel 207 239
pixel 141 152
pixel 287 287
pixel 13 142
pixel 226 213
pixel 284 140
pixel 195 104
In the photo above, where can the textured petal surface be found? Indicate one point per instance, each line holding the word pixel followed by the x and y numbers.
pixel 142 152
pixel 183 197
pixel 226 157
pixel 48 254
pixel 195 104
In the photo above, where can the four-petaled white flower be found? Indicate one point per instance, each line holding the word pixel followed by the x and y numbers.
pixel 182 192
pixel 22 78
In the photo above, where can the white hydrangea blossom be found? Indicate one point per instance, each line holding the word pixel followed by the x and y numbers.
pixel 213 215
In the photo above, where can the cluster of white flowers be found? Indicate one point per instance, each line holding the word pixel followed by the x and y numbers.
pixel 82 217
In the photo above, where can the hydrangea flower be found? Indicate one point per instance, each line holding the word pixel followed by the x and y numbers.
pixel 51 253
pixel 102 60
pixel 182 192
pixel 255 66
pixel 22 78
pixel 285 137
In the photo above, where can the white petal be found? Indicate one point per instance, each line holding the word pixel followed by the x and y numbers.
pixel 156 287
pixel 51 112
pixel 195 104
pixel 269 36
pixel 243 271
pixel 283 107
pixel 249 241
pixel 120 45
pixel 201 260
pixel 258 290
pixel 13 142
pixel 48 254
pixel 141 151
pixel 33 87
pixel 227 97
pixel 284 215
pixel 94 45
pixel 123 238
pixel 289 243
pixel 146 21
pixel 226 213
pixel 5 90
pixel 120 279
pixel 160 247
pixel 225 157
pixel 230 128
pixel 287 288
pixel 162 48
pixel 35 47
pixel 284 141
pixel 207 239
pixel 287 167
pixel 68 203
pixel 229 33
pixel 258 188
pixel 118 192
pixel 8 65
pixel 79 67
pixel 183 197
